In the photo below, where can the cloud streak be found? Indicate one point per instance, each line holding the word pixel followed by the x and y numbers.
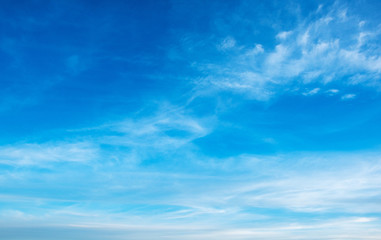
pixel 331 46
pixel 264 128
pixel 47 153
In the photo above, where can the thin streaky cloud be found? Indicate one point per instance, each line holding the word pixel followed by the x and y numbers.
pixel 315 51
pixel 190 120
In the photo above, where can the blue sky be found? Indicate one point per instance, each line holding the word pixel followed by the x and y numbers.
pixel 190 120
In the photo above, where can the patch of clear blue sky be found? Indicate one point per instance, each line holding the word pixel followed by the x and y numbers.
pixel 235 119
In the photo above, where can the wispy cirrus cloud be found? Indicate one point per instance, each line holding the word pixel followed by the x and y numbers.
pixel 168 129
pixel 216 193
pixel 331 46
pixel 160 134
pixel 326 187
pixel 342 228
pixel 188 170
pixel 348 96
pixel 169 126
pixel 29 154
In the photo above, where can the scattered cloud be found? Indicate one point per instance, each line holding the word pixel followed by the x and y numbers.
pixel 163 132
pixel 319 50
pixel 343 228
pixel 283 35
pixel 227 43
pixel 214 192
pixel 311 92
pixel 332 91
pixel 146 175
pixel 47 153
pixel 348 96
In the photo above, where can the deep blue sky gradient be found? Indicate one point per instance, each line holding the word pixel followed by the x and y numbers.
pixel 190 119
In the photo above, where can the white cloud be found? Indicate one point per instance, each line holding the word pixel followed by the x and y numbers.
pixel 332 91
pixel 223 195
pixel 309 183
pixel 283 35
pixel 256 50
pixel 348 96
pixel 169 127
pixel 275 59
pixel 311 92
pixel 335 47
pixel 161 133
pixel 36 154
pixel 365 219
pixel 227 43
pixel 337 228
